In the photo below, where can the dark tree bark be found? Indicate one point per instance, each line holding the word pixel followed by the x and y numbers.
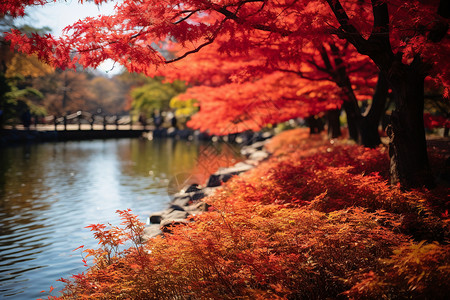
pixel 370 122
pixel 408 148
pixel 353 120
pixel 315 124
pixel 362 129
pixel 340 76
pixel 407 144
pixel 334 124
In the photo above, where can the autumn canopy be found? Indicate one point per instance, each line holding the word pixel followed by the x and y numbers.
pixel 258 62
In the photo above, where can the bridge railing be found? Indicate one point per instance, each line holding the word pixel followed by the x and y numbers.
pixel 81 117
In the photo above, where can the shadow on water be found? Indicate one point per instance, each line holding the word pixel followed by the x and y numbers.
pixel 50 192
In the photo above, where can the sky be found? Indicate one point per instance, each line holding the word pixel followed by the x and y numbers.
pixel 58 15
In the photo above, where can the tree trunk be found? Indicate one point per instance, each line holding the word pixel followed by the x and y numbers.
pixel 353 119
pixel 407 145
pixel 370 122
pixel 350 105
pixel 334 124
pixel 362 131
pixel 370 137
pixel 315 124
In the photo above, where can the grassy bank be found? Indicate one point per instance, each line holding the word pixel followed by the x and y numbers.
pixel 317 220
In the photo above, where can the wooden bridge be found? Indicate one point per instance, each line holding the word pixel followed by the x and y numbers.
pixel 86 126
pixel 86 121
pixel 77 126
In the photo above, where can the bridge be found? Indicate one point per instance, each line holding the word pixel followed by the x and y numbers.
pixel 87 126
pixel 77 126
pixel 86 121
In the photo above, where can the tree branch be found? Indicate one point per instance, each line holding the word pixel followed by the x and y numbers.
pixel 326 60
pixel 347 31
pixel 233 16
pixel 187 17
pixel 316 65
pixel 378 47
pixel 302 75
pixel 197 49
pixel 210 41
pixel 380 29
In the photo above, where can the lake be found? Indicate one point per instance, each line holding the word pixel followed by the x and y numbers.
pixel 50 192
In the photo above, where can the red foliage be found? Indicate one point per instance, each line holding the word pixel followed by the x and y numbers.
pixel 247 91
pixel 414 268
pixel 17 8
pixel 301 225
pixel 280 29
pixel 275 98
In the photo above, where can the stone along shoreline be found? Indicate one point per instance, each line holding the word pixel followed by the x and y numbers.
pixel 188 202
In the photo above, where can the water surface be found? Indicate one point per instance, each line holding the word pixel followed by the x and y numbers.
pixel 50 192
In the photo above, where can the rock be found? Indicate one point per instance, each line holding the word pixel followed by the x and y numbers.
pixel 187 202
pixel 267 135
pixel 262 136
pixel 197 195
pixel 258 145
pixel 192 188
pixel 208 191
pixel 244 138
pixel 201 136
pixel 197 208
pixel 247 150
pixel 172 212
pixel 251 162
pixel 214 180
pixel 240 167
pixel 224 174
pixel 166 225
pixel 181 201
pixel 226 177
pixel 259 155
pixel 181 198
pixel 176 207
pixel 151 232
pixel 176 214
pixel 252 148
pixel 179 195
pixel 156 217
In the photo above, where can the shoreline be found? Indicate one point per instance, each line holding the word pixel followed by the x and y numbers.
pixel 17 137
pixel 188 202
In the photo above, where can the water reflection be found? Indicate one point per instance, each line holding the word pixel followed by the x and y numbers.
pixel 50 192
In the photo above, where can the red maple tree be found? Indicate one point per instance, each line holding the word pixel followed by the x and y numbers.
pixel 238 92
pixel 406 40
pixel 331 71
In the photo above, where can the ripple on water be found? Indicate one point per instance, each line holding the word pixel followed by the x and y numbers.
pixel 50 192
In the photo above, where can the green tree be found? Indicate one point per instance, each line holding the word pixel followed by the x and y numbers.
pixel 184 108
pixel 155 95
pixel 17 95
pixel 16 100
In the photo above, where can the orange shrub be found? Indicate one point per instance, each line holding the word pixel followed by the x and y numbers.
pixel 248 250
pixel 414 271
pixel 307 223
